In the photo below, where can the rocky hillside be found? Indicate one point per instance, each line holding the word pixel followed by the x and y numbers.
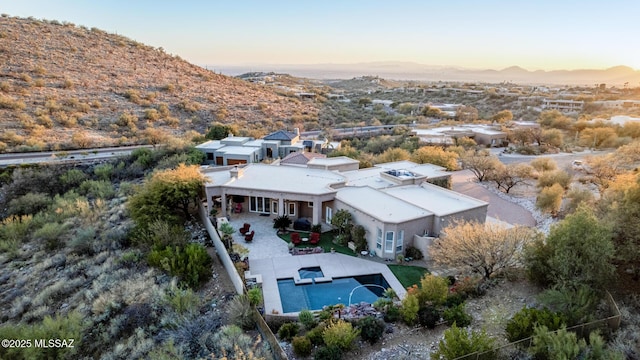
pixel 63 86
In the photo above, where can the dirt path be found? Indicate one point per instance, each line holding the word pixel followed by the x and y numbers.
pixel 464 182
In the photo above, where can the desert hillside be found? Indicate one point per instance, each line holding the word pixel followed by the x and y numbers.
pixel 63 86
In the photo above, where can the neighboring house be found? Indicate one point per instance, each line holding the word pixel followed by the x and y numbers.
pixel 393 201
pixel 300 158
pixel 235 150
pixel 565 106
pixel 482 134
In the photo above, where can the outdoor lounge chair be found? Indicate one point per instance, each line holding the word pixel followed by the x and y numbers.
pixel 245 229
pixel 295 239
pixel 238 208
pixel 249 237
pixel 314 239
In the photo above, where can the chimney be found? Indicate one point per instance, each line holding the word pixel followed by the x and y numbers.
pixel 297 131
pixel 236 172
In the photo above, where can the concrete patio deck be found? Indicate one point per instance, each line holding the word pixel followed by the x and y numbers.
pixel 266 243
pixel 333 265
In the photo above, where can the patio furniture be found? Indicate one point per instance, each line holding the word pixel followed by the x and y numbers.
pixel 245 229
pixel 249 237
pixel 295 238
pixel 238 208
pixel 315 238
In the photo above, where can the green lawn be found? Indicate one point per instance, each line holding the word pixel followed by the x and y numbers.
pixel 326 242
pixel 408 275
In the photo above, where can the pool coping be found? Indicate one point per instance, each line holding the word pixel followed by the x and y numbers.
pixel 333 265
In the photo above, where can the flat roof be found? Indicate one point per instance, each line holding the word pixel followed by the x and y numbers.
pixel 428 170
pixel 367 177
pixel 216 175
pixel 382 206
pixel 210 145
pixel 434 198
pixel 287 179
pixel 338 160
pixel 239 150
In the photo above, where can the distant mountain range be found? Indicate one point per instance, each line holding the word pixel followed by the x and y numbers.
pixel 618 75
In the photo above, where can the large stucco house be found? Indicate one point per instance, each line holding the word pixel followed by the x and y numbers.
pixel 395 202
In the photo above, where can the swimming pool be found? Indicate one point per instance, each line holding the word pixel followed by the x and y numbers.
pixel 315 296
pixel 310 272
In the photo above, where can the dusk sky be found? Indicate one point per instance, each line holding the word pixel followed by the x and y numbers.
pixel 474 34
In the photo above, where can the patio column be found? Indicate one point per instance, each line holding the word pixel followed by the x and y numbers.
pixel 281 209
pixel 223 204
pixel 317 211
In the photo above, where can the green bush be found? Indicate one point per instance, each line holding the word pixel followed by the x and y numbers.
pixel 288 331
pixel 182 300
pixel 73 178
pixel 341 334
pixel 428 317
pixel 70 326
pixel 315 334
pixel 307 319
pixel 104 172
pixel 191 263
pixel 255 296
pixel 522 324
pixel 50 234
pixel 99 189
pixel 561 344
pixel 301 346
pixel 83 241
pixel 413 252
pixel 433 290
pixel 371 329
pixel 409 309
pixel 392 314
pixel 457 315
pixel 29 204
pixel 459 342
pixel 328 353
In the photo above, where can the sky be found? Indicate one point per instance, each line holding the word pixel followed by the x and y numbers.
pixel 486 34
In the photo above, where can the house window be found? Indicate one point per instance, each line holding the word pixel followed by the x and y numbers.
pixel 292 209
pixel 328 215
pixel 259 204
pixel 400 241
pixel 310 204
pixel 274 207
pixel 379 238
pixel 210 156
pixel 388 242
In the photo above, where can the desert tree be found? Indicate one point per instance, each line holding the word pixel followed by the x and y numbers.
pixel 393 154
pixel 521 136
pixel 165 192
pixel 542 164
pixel 467 113
pixel 508 176
pixel 552 137
pixel 479 163
pixel 483 248
pixel 548 178
pixel 437 156
pixel 550 199
pixel 602 170
pixel 502 116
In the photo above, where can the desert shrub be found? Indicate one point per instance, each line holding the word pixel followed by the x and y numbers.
pixel 301 346
pixel 73 178
pixel 544 164
pixel 428 317
pixel 191 263
pixel 240 312
pixel 49 234
pixel 413 252
pixel 97 189
pixel 151 114
pixel 181 299
pixel 522 324
pixel 307 319
pixel 83 241
pixel 409 309
pixel 255 296
pixel 457 315
pixel 459 342
pixel 103 172
pixel 29 204
pixel 371 329
pixel 469 286
pixel 328 353
pixel 454 299
pixel 288 331
pixel 70 326
pixel 561 344
pixel 433 289
pixel 548 178
pixel 341 334
pixel 315 334
pixel 392 314
pixel 13 231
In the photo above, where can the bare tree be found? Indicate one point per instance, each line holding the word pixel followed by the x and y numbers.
pixel 507 177
pixel 479 162
pixel 484 248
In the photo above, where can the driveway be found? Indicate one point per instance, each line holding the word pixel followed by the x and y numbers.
pixel 465 182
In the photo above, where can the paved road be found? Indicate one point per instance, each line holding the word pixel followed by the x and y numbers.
pixel 563 159
pixel 63 156
pixel 464 182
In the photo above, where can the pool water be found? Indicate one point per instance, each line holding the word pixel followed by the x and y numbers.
pixel 310 272
pixel 315 296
